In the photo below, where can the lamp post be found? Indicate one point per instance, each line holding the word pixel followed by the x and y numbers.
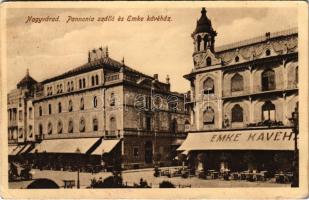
pixel 78 166
pixel 294 121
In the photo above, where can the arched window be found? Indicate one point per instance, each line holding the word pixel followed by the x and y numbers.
pixel 112 99
pixel 59 127
pixel 174 126
pixel 205 39
pixel 80 83
pixel 96 79
pixel 72 86
pixel 267 52
pixel 84 83
pixel 199 39
pixel 237 113
pixel 82 125
pixel 70 105
pixel 49 109
pixel 82 104
pixel 68 87
pixel 40 111
pixel 209 116
pixel 208 86
pixel 237 83
pixel 70 126
pixel 95 124
pixel 236 59
pixel 95 102
pixel 40 129
pixel 21 132
pixel 30 131
pixel 112 125
pixel 268 80
pixel 92 80
pixel 208 61
pixel 268 111
pixel 59 107
pixel 50 128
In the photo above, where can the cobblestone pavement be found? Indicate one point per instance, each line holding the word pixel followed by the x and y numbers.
pixel 131 177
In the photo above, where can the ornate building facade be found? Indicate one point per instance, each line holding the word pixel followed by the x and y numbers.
pixel 242 96
pixel 107 110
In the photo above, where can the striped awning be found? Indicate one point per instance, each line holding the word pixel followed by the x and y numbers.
pixel 265 139
pixel 72 145
pixel 105 147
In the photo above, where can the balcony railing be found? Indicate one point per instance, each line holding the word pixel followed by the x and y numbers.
pixel 74 135
pixel 257 89
pixel 135 132
pixel 113 77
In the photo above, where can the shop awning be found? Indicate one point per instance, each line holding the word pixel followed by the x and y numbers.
pixel 15 149
pixel 72 145
pixel 105 147
pixel 266 139
pixel 27 148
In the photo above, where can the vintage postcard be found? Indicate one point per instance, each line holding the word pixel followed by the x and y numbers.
pixel 154 99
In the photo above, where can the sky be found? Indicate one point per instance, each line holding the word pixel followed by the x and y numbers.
pixel 165 48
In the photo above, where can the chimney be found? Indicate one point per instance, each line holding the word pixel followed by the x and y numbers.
pixel 89 58
pixel 156 76
pixel 167 79
pixel 267 35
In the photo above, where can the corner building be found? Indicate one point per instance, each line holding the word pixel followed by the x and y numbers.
pixel 242 96
pixel 105 113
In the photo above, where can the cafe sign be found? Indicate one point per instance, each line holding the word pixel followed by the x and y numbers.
pixel 266 139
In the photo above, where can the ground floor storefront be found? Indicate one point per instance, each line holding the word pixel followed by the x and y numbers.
pixel 240 154
pixel 97 154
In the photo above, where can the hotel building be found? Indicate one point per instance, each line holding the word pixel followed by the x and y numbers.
pixel 101 113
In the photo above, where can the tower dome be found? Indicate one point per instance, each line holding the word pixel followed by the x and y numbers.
pixel 204 34
pixel 27 81
pixel 203 25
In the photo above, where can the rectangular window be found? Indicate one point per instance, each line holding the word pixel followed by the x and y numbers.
pixel 148 123
pixel 30 113
pixel 49 109
pixel 20 115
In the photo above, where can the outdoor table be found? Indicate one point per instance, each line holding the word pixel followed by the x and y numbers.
pixel 235 175
pixel 281 178
pixel 69 183
pixel 214 174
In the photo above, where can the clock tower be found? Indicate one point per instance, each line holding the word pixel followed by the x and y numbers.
pixel 204 41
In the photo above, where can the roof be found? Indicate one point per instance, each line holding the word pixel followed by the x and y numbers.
pixel 96 64
pixel 204 24
pixel 258 39
pixel 27 81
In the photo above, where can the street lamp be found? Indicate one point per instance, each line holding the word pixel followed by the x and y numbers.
pixel 78 166
pixel 294 121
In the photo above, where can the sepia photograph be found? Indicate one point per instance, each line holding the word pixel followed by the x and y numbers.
pixel 151 96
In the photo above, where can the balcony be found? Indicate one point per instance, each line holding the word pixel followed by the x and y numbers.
pixel 74 135
pixel 257 90
pixel 12 141
pixel 136 132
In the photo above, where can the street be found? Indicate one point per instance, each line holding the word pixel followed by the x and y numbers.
pixel 133 176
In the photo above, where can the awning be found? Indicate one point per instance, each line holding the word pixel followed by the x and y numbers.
pixel 15 149
pixel 27 148
pixel 266 139
pixel 72 145
pixel 105 147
